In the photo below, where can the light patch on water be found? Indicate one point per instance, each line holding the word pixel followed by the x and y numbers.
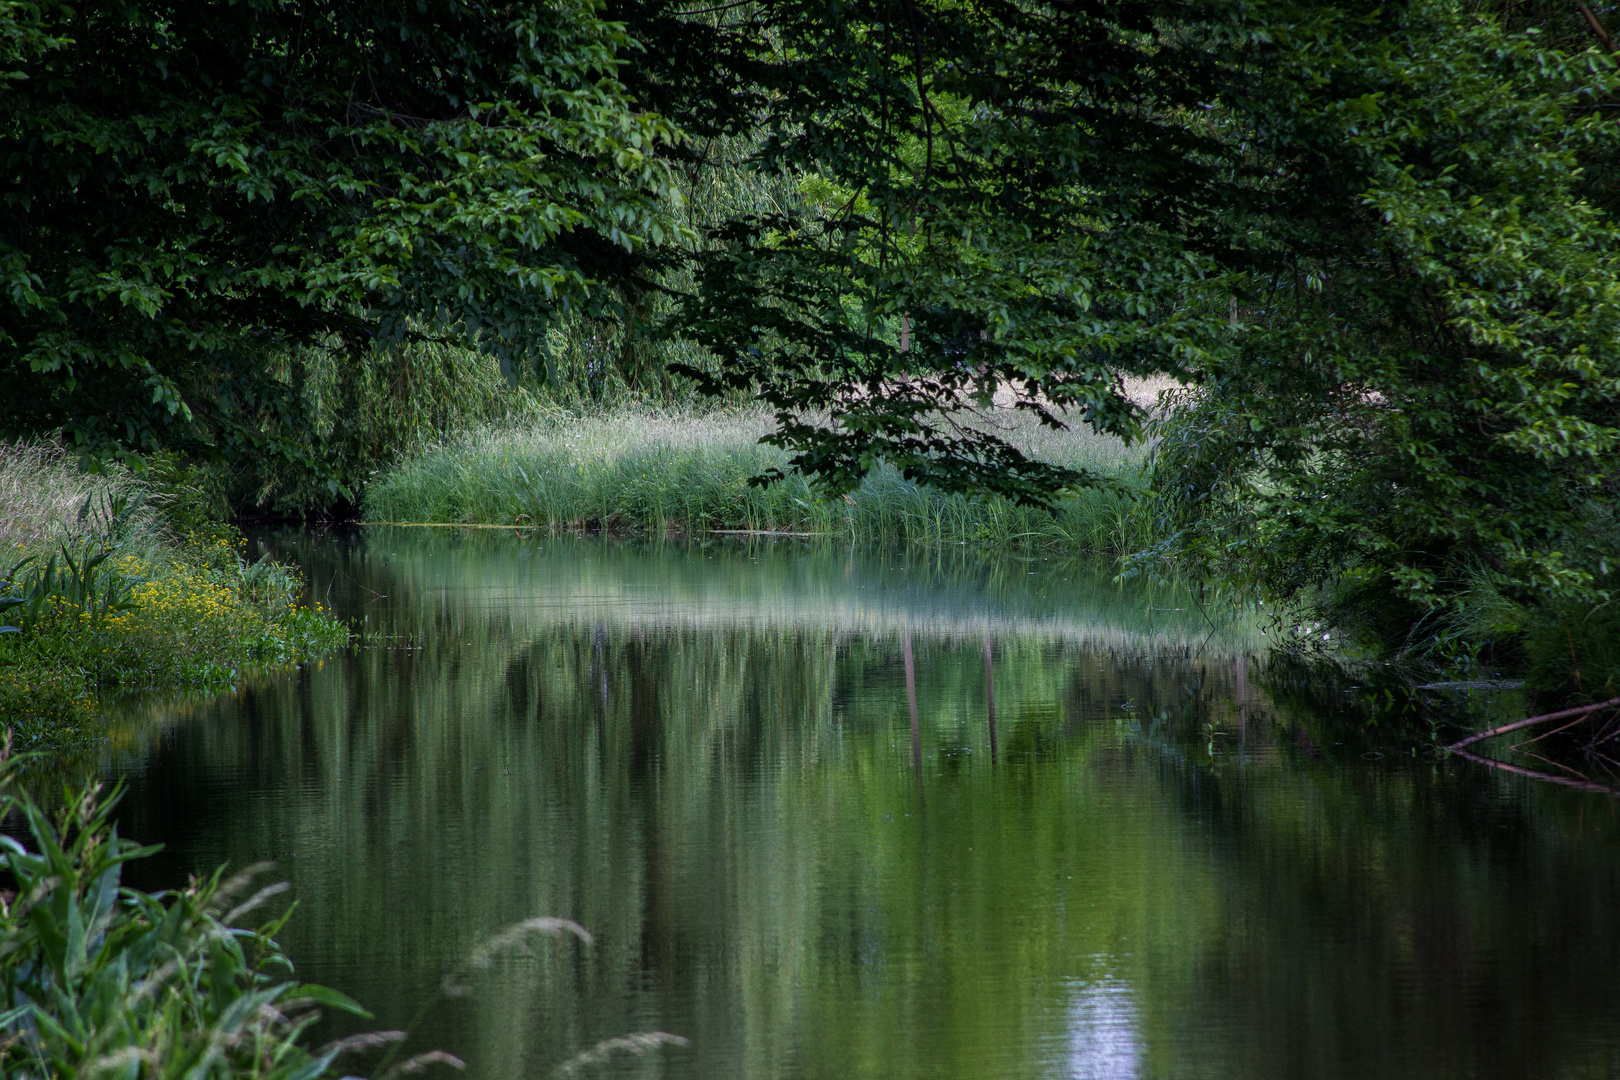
pixel 1103 1040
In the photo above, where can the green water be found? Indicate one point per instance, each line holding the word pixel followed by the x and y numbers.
pixel 1175 859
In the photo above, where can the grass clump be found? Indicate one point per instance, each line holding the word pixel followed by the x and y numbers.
pixel 98 593
pixel 42 495
pixel 688 471
pixel 98 980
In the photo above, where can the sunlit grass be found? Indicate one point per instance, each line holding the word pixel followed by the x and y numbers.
pixel 686 471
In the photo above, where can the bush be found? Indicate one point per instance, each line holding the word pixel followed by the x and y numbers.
pixel 1573 651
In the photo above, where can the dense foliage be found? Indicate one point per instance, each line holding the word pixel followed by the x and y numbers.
pixel 992 200
pixel 194 191
pixel 1422 379
pixel 1375 244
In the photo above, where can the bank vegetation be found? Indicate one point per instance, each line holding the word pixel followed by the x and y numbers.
pixel 112 583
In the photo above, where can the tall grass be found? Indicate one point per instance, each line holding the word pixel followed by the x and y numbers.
pixel 688 471
pixel 42 491
pixel 98 980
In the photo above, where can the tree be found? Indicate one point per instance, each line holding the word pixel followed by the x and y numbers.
pixel 1008 180
pixel 1422 385
pixel 1366 239
pixel 193 189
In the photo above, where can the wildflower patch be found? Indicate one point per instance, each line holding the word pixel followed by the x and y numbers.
pixel 191 615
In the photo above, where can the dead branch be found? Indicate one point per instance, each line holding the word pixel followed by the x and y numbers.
pixel 1565 714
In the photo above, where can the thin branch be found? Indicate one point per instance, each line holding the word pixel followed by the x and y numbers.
pixel 1597 29
pixel 1517 770
pixel 922 95
pixel 1581 719
pixel 712 10
pixel 1505 728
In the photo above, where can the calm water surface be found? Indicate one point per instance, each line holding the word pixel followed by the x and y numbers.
pixel 1164 858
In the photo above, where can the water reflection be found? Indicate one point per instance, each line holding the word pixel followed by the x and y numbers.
pixel 1103 1040
pixel 767 780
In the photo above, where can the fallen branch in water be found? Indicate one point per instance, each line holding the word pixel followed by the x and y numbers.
pixel 1580 710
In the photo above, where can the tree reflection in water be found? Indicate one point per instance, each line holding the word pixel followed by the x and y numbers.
pixel 705 757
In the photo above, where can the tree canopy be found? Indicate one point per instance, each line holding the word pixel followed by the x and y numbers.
pixel 191 187
pixel 1376 245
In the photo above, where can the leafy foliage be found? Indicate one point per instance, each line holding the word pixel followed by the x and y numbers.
pixel 1422 374
pixel 1367 240
pixel 992 198
pixel 197 189
pixel 1376 245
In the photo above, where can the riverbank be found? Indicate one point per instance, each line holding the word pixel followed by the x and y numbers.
pixel 99 594
pixel 679 472
pixel 633 470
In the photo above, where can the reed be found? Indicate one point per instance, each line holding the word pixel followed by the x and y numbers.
pixel 632 469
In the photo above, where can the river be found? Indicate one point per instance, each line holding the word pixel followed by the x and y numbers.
pixel 1161 853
